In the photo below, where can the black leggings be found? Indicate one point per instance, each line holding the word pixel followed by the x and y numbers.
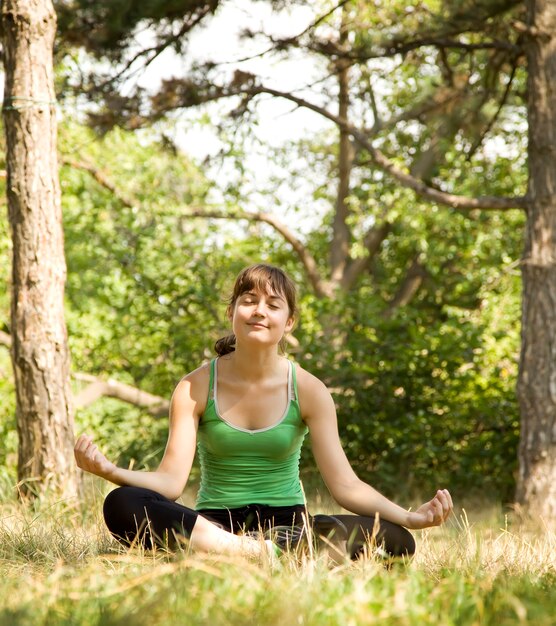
pixel 135 514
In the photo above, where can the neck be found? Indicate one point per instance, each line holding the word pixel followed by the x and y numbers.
pixel 255 364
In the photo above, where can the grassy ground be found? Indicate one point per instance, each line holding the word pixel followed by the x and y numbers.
pixel 59 567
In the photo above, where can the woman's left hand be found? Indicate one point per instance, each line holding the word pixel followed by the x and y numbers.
pixel 433 513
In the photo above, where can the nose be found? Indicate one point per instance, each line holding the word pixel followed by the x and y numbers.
pixel 260 308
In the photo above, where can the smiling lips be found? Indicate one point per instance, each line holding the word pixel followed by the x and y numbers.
pixel 257 325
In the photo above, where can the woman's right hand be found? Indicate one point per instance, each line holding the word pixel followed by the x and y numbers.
pixel 89 458
pixel 433 513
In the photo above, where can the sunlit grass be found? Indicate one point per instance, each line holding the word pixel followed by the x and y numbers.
pixel 58 566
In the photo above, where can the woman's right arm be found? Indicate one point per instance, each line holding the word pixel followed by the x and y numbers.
pixel 187 406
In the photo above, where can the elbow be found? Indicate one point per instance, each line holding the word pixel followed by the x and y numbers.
pixel 176 491
pixel 344 501
pixel 172 494
pixel 172 488
pixel 342 492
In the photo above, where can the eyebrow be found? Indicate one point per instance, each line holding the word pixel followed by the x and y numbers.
pixel 271 296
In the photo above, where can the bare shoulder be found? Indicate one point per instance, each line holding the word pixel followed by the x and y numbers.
pixel 193 390
pixel 314 396
pixel 308 381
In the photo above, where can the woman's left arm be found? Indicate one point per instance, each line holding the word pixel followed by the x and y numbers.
pixel 319 413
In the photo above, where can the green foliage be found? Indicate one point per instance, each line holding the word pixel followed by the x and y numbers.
pixel 128 436
pixel 426 396
pixel 139 271
pixel 425 391
pixel 433 400
pixel 110 26
pixel 8 450
pixel 140 278
pixel 5 253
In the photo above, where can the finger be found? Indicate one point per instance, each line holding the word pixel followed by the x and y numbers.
pixel 437 510
pixel 80 449
pixel 83 443
pixel 90 446
pixel 447 503
pixel 444 501
pixel 427 512
pixel 79 442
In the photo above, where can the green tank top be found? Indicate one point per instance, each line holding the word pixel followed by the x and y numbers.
pixel 241 466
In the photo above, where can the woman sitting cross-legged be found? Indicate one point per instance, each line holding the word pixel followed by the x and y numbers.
pixel 247 412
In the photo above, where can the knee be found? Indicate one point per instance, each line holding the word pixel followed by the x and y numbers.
pixel 391 540
pixel 407 547
pixel 120 499
pixel 398 541
pixel 122 508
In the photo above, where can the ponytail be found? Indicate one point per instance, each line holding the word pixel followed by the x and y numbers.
pixel 225 345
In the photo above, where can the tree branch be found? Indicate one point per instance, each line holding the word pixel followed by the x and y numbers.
pixel 492 121
pixel 177 94
pixel 245 83
pixel 101 179
pixel 148 55
pixel 414 278
pixel 446 35
pixel 423 190
pixel 372 242
pixel 321 287
pixel 390 49
pixel 98 388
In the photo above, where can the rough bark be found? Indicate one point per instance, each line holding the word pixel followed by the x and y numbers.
pixel 341 235
pixel 536 487
pixel 39 349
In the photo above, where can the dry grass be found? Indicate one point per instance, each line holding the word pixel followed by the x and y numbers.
pixel 58 566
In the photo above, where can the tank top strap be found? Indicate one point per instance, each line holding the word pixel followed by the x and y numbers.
pixel 293 382
pixel 211 380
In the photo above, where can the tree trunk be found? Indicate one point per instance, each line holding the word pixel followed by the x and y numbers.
pixel 341 235
pixel 536 487
pixel 39 352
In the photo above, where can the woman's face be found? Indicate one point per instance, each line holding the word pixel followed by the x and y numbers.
pixel 262 317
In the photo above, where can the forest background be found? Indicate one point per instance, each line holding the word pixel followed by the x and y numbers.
pixel 409 307
pixel 414 206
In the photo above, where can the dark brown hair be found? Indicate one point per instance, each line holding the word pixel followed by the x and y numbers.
pixel 262 278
